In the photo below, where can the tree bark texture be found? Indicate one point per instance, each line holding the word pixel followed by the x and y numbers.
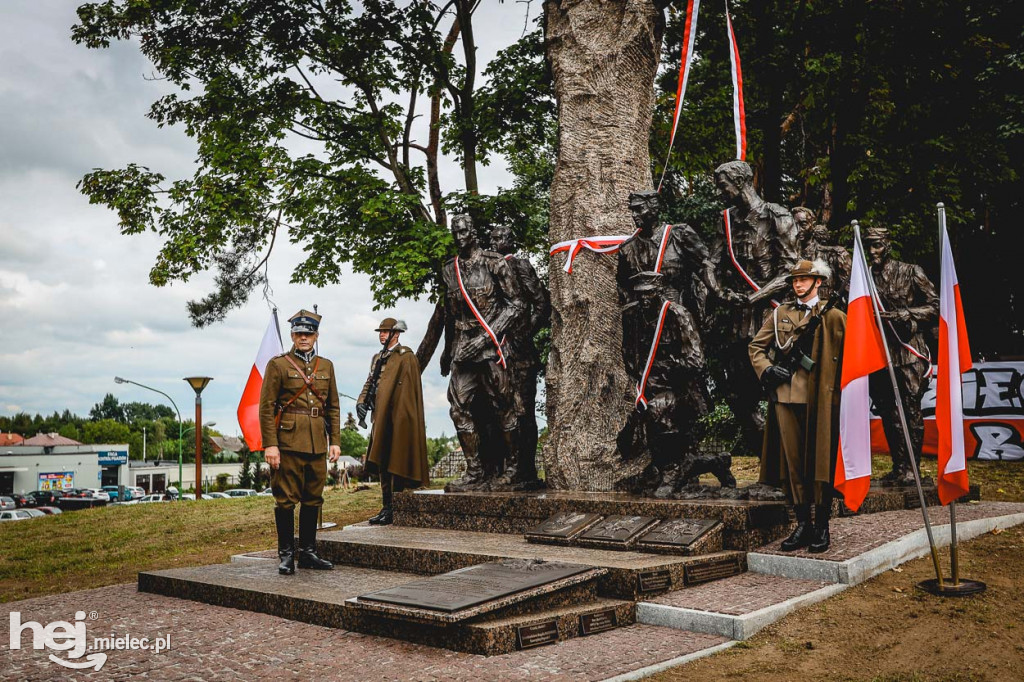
pixel 604 55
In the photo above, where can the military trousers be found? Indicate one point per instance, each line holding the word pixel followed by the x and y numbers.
pixel 482 385
pixel 736 382
pixel 299 479
pixel 799 483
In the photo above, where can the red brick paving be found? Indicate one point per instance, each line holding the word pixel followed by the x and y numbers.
pixel 215 643
pixel 740 594
pixel 854 535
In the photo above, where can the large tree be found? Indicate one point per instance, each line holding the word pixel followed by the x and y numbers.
pixel 373 96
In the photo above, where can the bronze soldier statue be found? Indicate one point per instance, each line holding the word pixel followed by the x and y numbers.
pixel 759 251
pixel 683 262
pixel 524 364
pixel 300 421
pixel 911 308
pixel 815 244
pixel 797 355
pixel 482 304
pixel 398 440
pixel 671 389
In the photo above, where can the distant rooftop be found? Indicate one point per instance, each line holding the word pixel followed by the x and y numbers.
pixel 11 439
pixel 229 443
pixel 48 439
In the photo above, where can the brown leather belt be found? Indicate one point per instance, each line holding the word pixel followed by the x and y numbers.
pixel 314 412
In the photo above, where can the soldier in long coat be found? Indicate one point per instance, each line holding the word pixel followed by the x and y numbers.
pixel 393 392
pixel 300 421
pixel 802 431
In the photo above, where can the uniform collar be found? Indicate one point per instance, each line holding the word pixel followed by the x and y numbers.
pixel 810 303
pixel 305 357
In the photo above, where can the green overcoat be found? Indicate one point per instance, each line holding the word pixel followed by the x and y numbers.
pixel 398 440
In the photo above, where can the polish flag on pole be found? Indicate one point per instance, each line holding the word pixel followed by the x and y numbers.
pixel 249 406
pixel 739 117
pixel 954 360
pixel 863 353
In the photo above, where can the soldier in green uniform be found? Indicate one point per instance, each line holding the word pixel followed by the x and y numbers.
pixel 398 441
pixel 300 420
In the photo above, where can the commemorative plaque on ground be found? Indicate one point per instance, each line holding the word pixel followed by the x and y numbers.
pixel 680 536
pixel 468 587
pixel 562 528
pixel 616 532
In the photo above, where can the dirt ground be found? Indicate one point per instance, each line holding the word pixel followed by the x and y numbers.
pixel 886 629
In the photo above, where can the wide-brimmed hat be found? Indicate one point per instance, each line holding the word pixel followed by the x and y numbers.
pixel 390 324
pixel 806 268
pixel 875 233
pixel 646 281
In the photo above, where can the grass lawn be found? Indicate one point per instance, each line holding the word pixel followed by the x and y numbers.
pixel 110 545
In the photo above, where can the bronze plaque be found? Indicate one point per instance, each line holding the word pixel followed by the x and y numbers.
pixel 564 525
pixel 475 585
pixel 711 570
pixel 678 532
pixel 591 623
pixel 619 529
pixel 655 581
pixel 534 635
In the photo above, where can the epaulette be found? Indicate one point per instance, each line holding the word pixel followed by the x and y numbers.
pixel 401 349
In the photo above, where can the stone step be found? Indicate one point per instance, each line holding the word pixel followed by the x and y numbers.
pixel 629 574
pixel 746 524
pixel 553 612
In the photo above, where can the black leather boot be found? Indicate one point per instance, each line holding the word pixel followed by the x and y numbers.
pixel 387 482
pixel 821 541
pixel 307 540
pixel 803 533
pixel 284 519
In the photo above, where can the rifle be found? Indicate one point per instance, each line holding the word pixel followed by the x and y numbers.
pixel 371 395
pixel 798 355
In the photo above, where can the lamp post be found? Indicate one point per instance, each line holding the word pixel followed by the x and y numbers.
pixel 119 380
pixel 198 384
pixel 205 426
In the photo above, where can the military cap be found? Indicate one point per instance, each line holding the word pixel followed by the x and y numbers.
pixel 875 233
pixel 390 324
pixel 305 322
pixel 806 268
pixel 647 281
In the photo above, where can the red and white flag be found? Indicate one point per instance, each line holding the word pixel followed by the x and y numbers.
pixel 249 406
pixel 863 353
pixel 739 117
pixel 954 360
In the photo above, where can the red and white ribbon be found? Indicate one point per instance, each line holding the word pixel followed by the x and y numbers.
pixel 641 385
pixel 477 315
pixel 689 38
pixel 910 349
pixel 596 244
pixel 738 115
pixel 732 256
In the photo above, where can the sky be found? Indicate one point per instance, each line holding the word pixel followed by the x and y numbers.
pixel 76 306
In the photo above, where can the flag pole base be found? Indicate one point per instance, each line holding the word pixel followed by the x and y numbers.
pixel 946 589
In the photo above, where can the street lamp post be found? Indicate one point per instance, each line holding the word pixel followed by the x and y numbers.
pixel 119 380
pixel 205 426
pixel 198 384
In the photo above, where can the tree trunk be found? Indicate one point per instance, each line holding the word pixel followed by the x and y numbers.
pixel 604 56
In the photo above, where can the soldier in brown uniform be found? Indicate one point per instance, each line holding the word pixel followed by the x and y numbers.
pixel 911 308
pixel 763 242
pixel 797 356
pixel 815 244
pixel 398 441
pixel 300 420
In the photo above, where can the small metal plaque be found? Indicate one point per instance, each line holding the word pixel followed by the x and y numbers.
pixel 655 581
pixel 475 585
pixel 530 636
pixel 564 525
pixel 618 529
pixel 591 623
pixel 694 574
pixel 678 532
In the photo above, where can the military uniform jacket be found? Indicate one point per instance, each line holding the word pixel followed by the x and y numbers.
pixel 493 288
pixel 903 286
pixel 682 265
pixel 765 245
pixel 300 432
pixel 679 350
pixel 537 311
pixel 398 440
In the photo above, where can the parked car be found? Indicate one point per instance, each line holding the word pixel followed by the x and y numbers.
pixel 44 498
pixel 15 515
pixel 48 511
pixel 100 494
pixel 113 491
pixel 7 503
pixel 77 492
pixel 218 496
pixel 19 500
pixel 155 497
pixel 266 492
pixel 35 512
pixel 240 492
pixel 137 492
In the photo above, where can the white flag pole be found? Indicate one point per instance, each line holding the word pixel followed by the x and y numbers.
pixel 876 306
pixel 954 549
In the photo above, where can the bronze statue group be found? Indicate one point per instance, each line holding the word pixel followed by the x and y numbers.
pixel 756 314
